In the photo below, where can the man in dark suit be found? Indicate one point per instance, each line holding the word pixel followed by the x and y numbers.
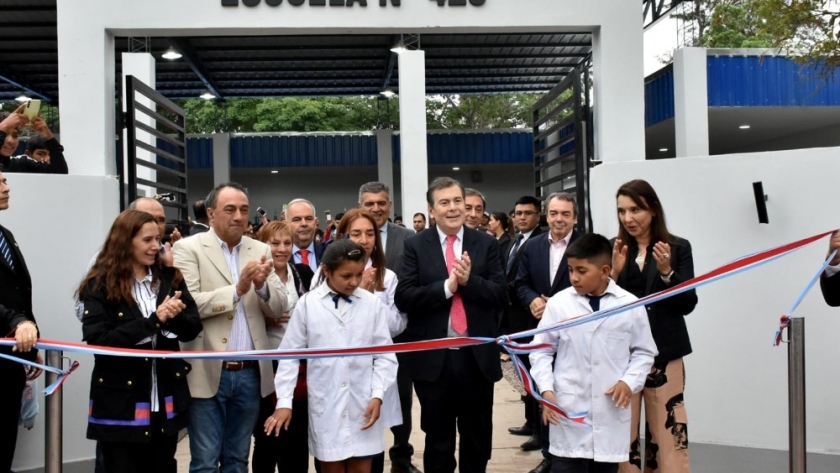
pixel 451 285
pixel 526 217
pixel 15 317
pixel 202 223
pixel 300 213
pixel 375 197
pixel 830 280
pixel 541 273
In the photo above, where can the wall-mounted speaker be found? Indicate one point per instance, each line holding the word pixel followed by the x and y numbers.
pixel 760 202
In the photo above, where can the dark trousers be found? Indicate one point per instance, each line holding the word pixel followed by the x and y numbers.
pixel 288 452
pixel 533 415
pixel 460 398
pixel 100 460
pixel 14 380
pixel 581 465
pixel 157 455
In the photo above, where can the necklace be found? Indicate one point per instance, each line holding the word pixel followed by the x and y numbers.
pixel 640 259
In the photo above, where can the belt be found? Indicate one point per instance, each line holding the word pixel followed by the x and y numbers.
pixel 238 365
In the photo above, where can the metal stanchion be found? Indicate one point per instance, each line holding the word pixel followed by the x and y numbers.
pixel 796 395
pixel 53 445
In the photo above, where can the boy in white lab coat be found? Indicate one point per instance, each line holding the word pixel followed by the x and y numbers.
pixel 597 366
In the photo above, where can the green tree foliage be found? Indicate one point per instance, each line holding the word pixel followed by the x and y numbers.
pixel 809 28
pixel 355 113
pixel 725 24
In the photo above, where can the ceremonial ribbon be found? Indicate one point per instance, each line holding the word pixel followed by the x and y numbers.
pixel 785 320
pixel 737 266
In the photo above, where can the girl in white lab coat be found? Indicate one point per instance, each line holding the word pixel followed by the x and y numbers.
pixel 359 226
pixel 346 393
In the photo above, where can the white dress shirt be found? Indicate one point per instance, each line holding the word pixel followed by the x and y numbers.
pixel 556 251
pixel 457 247
pixel 832 270
pixel 240 334
pixel 146 298
pixel 588 360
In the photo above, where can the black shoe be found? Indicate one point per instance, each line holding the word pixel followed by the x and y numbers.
pixel 543 467
pixel 533 443
pixel 405 469
pixel 524 430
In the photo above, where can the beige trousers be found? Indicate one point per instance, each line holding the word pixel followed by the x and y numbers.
pixel 666 423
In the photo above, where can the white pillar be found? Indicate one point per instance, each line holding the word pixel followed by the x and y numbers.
pixel 86 93
pixel 142 67
pixel 619 94
pixel 691 102
pixel 385 159
pixel 414 161
pixel 221 158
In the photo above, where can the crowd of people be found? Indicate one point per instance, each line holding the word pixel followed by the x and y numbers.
pixel 227 285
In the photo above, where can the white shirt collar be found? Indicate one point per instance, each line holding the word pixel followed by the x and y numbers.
pixel 148 277
pixel 224 244
pixel 442 236
pixel 527 235
pixel 565 238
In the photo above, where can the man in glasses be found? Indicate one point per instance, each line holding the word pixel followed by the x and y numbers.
pixel 526 217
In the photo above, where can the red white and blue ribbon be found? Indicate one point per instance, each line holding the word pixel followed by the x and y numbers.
pixel 785 320
pixel 737 266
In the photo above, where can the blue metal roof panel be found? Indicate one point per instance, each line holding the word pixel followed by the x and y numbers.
pixel 770 81
pixel 659 98
pixel 302 151
pixel 474 148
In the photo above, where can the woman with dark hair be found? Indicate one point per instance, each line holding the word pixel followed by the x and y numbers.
pixel 132 300
pixel 288 452
pixel 647 259
pixel 500 228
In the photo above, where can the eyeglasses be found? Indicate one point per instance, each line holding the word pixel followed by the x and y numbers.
pixel 524 213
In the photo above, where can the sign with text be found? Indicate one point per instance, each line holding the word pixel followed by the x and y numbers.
pixel 344 3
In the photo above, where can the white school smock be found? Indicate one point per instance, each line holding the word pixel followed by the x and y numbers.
pixel 339 389
pixel 590 359
pixel 397 321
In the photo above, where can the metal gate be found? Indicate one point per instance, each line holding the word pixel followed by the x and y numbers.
pixel 169 149
pixel 561 151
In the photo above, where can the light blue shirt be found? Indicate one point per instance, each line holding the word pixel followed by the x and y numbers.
pixel 312 259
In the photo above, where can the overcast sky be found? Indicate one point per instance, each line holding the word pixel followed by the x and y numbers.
pixel 660 39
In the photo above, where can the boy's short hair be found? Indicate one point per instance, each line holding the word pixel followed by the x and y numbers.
pixel 592 247
pixel 35 143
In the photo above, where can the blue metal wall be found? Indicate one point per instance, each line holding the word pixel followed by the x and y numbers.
pixel 659 97
pixel 199 153
pixel 748 81
pixel 475 148
pixel 303 151
pixel 753 81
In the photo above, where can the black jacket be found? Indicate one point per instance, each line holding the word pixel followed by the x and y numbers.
pixel 15 296
pixel 120 387
pixel 58 165
pixel 533 279
pixel 421 295
pixel 831 289
pixel 667 317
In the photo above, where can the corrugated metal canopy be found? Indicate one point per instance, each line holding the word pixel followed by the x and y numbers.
pixel 298 65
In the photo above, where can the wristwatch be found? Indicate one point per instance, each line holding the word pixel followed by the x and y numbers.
pixel 667 279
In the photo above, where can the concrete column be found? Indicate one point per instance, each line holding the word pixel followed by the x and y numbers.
pixel 414 161
pixel 142 67
pixel 619 94
pixel 86 93
pixel 385 159
pixel 221 158
pixel 691 102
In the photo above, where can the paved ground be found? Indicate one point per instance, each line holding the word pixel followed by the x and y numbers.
pixel 509 458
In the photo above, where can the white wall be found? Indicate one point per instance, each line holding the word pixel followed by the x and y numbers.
pixel 736 390
pixel 59 222
pixel 338 188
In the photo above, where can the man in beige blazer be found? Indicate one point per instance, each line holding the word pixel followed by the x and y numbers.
pixel 232 279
